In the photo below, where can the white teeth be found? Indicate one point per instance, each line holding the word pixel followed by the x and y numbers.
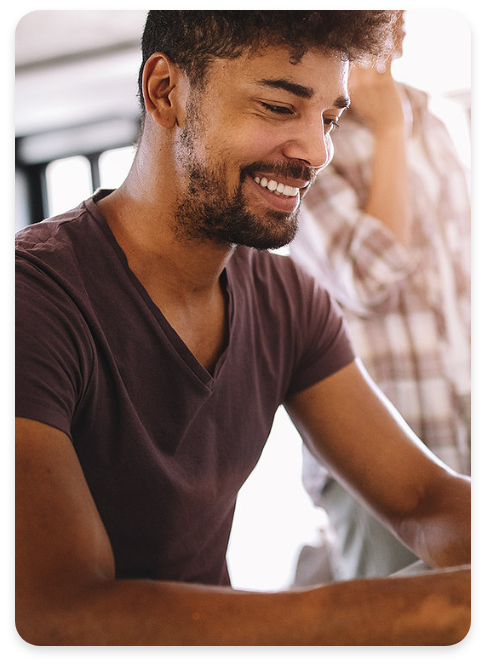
pixel 289 191
pixel 273 186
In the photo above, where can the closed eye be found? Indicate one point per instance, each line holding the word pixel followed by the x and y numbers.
pixel 275 108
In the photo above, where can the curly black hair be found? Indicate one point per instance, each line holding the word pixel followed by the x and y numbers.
pixel 192 39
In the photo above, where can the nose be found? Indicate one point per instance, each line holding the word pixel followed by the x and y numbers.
pixel 310 143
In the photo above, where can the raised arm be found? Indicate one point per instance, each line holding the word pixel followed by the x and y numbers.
pixel 68 594
pixel 386 110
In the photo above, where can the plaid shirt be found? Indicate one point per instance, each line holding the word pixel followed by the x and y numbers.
pixel 409 310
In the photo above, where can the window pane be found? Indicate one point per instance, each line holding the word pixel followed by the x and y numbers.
pixel 68 183
pixel 114 166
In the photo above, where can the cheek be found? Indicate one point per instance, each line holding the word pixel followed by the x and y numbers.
pixel 266 138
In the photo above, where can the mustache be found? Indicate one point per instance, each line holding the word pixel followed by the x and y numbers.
pixel 288 169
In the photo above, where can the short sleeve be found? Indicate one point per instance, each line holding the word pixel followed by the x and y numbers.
pixel 325 344
pixel 53 354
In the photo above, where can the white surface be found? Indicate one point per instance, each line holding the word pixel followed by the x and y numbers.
pixel 274 516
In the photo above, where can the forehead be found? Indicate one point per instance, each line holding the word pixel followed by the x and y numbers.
pixel 322 75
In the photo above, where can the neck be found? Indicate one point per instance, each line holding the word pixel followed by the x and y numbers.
pixel 141 216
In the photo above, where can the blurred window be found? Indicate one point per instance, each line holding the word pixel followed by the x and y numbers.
pixel 72 179
pixel 68 183
pixel 114 166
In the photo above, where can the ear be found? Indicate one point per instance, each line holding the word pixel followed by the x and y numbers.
pixel 161 82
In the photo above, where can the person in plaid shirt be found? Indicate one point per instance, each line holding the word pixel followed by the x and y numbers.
pixel 386 228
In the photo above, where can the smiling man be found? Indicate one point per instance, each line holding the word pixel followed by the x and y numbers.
pixel 242 188
pixel 157 337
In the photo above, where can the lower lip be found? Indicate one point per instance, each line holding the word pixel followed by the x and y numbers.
pixel 284 204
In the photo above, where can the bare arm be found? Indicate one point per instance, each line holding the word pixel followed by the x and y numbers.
pixel 361 439
pixel 67 593
pixel 379 101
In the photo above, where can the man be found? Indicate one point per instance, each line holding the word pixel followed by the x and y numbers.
pixel 386 229
pixel 155 344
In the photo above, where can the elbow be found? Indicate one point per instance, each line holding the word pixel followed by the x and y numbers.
pixel 49 630
pixel 366 294
pixel 439 531
pixel 51 622
pixel 38 630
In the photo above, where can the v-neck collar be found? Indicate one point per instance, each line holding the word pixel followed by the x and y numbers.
pixel 178 344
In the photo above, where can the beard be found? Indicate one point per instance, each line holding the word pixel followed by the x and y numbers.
pixel 208 213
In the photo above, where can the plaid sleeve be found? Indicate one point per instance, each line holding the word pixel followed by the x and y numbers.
pixel 353 254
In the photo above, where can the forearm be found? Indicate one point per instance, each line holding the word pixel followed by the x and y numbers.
pixel 389 196
pixel 425 610
pixel 432 609
pixel 146 612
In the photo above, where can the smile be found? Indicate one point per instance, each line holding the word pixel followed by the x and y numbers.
pixel 276 188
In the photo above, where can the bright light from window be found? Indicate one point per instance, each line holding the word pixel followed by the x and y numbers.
pixel 114 166
pixel 429 60
pixel 68 183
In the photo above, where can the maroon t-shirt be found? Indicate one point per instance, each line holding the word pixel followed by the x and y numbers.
pixel 164 445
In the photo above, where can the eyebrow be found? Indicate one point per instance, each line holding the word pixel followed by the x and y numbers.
pixel 289 86
pixel 299 90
